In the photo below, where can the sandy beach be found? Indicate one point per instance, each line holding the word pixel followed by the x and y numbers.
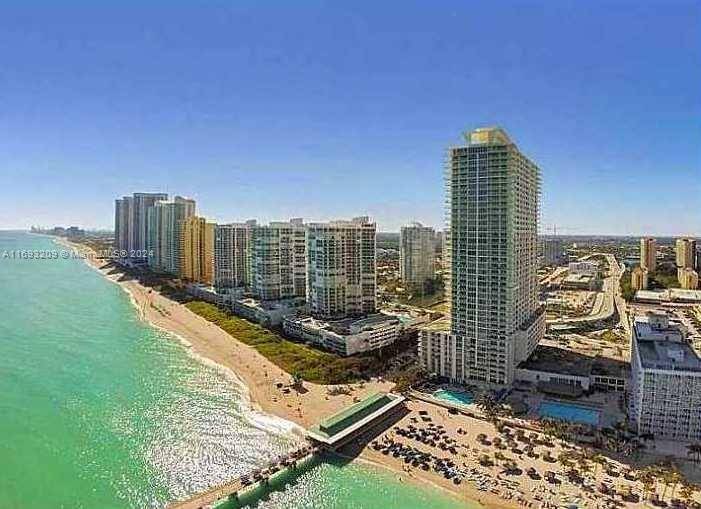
pixel 488 485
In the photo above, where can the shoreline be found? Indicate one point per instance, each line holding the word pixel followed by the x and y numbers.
pixel 257 376
pixel 270 395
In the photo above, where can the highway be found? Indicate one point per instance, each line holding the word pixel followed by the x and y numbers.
pixel 607 301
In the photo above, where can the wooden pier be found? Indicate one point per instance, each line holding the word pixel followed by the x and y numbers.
pixel 237 486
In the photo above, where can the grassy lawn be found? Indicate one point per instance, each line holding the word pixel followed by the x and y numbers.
pixel 311 364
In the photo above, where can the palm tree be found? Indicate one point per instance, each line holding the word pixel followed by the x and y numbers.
pixel 672 477
pixel 488 405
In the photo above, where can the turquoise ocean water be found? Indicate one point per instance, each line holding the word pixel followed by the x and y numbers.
pixel 100 410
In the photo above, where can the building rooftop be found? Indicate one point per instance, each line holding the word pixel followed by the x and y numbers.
pixel 347 326
pixel 552 359
pixel 440 325
pixel 661 344
pixel 342 424
pixel 568 361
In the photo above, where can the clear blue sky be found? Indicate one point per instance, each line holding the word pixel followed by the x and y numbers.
pixel 323 110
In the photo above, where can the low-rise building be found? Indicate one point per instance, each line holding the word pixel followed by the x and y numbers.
pixel 677 295
pixel 581 282
pixel 665 394
pixel 570 372
pixel 583 268
pixel 346 337
pixel 269 313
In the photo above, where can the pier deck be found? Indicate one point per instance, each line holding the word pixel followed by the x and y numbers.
pixel 236 486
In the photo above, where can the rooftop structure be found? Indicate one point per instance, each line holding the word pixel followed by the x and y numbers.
pixel 342 426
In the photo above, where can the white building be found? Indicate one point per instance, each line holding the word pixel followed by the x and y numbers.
pixel 492 247
pixel 341 279
pixel 665 395
pixel 278 260
pixel 232 254
pixel 346 337
pixel 417 254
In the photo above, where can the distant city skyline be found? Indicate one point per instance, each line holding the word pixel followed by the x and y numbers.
pixel 330 111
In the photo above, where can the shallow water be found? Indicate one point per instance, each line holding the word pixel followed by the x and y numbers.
pixel 100 410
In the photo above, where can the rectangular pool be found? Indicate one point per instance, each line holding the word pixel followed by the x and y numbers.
pixel 455 397
pixel 569 412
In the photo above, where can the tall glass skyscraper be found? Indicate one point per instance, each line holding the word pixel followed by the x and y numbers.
pixel 492 195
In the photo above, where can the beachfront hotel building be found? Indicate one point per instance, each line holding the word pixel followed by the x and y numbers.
pixel 340 264
pixel 278 260
pixel 232 255
pixel 417 254
pixel 165 222
pixel 648 254
pixel 491 248
pixel 665 389
pixel 197 250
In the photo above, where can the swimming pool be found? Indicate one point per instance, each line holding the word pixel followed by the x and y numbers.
pixel 569 412
pixel 455 397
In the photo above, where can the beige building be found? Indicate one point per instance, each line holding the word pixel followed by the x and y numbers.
pixel 639 278
pixel 648 254
pixel 197 250
pixel 686 253
pixel 688 278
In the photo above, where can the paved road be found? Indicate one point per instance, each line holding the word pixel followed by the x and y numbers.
pixel 612 298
